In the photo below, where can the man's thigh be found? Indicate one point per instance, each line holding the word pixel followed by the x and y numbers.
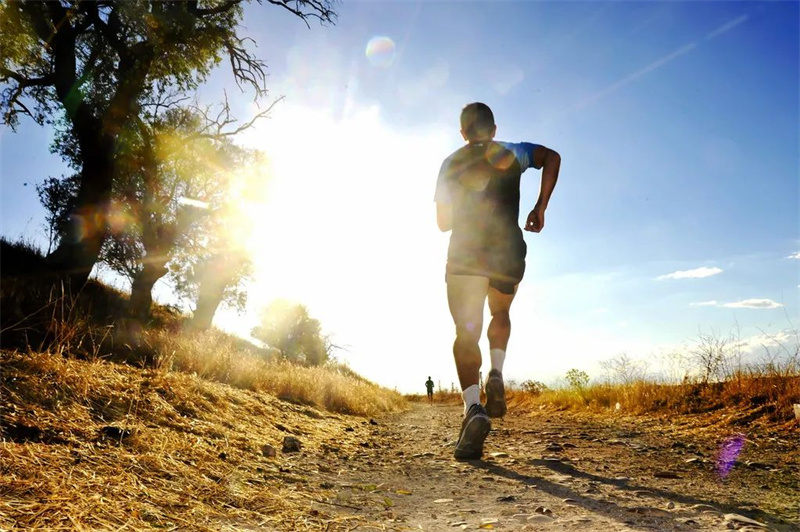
pixel 466 296
pixel 499 301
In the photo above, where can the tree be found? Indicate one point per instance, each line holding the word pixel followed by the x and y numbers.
pixel 287 327
pixel 624 369
pixel 91 62
pixel 577 380
pixel 212 278
pixel 174 179
pixel 534 387
pixel 58 196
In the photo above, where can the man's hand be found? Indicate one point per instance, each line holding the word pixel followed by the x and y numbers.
pixel 535 221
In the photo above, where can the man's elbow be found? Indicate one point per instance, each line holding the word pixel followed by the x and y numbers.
pixel 553 158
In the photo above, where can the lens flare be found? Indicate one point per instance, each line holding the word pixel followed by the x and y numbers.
pixel 381 51
pixel 728 453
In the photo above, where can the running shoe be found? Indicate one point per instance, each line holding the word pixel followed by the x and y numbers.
pixel 495 394
pixel 474 429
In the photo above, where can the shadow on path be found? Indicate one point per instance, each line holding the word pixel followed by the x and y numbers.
pixel 613 510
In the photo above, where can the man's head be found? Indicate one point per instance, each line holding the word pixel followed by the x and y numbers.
pixel 477 122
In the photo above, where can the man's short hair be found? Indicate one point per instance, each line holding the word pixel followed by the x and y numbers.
pixel 477 120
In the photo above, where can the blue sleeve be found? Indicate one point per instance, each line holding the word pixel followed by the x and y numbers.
pixel 523 151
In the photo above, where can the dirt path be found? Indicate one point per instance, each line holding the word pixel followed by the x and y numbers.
pixel 554 472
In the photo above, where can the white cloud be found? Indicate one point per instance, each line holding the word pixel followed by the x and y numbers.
pixel 712 303
pixel 754 303
pixel 697 273
pixel 794 256
pixel 781 341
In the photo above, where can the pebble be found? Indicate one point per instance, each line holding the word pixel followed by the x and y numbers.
pixel 440 501
pixel 291 444
pixel 269 451
pixel 540 519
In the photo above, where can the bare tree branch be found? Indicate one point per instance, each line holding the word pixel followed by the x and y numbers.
pixel 215 127
pixel 306 9
pixel 246 68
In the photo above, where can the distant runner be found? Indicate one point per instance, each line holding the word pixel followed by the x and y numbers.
pixel 477 197
pixel 429 386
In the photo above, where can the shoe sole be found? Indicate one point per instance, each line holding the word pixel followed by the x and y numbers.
pixel 495 398
pixel 475 432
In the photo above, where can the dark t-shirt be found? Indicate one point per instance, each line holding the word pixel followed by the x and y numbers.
pixel 429 385
pixel 481 182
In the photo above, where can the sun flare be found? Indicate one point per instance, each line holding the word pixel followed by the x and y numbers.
pixel 346 221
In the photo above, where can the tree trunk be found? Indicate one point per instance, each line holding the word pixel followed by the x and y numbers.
pixel 142 291
pixel 77 253
pixel 213 281
pixel 208 302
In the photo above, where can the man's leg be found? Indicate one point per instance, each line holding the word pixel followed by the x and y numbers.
pixel 466 296
pixel 498 332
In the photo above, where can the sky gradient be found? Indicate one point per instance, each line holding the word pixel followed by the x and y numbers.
pixel 677 211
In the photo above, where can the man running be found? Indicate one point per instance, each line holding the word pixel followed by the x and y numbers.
pixel 477 198
pixel 429 386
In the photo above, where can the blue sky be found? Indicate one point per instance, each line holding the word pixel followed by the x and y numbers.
pixel 678 127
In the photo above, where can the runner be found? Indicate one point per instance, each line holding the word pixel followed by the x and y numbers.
pixel 429 386
pixel 477 197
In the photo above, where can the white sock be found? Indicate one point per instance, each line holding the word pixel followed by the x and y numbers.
pixel 471 396
pixel 498 357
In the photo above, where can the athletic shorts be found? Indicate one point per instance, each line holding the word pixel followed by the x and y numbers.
pixel 504 267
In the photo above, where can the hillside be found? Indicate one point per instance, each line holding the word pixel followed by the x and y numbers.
pixel 92 445
pixel 99 446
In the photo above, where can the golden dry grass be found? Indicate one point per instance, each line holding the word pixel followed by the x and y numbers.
pixel 217 356
pixel 93 445
pixel 759 394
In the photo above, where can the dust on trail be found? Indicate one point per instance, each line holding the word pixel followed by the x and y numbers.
pixel 551 471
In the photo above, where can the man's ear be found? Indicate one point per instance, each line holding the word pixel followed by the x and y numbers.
pixel 464 135
pixel 494 131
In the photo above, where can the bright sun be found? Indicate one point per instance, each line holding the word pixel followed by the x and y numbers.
pixel 347 225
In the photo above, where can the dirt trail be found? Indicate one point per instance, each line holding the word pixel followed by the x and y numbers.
pixel 551 471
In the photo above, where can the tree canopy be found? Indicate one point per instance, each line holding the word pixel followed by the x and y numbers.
pixel 287 327
pixel 93 64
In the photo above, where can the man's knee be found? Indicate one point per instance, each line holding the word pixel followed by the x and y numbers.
pixel 467 338
pixel 500 313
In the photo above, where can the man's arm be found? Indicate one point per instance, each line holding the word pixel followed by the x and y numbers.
pixel 444 216
pixel 550 163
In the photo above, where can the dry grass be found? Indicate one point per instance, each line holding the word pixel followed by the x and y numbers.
pixel 93 324
pixel 755 394
pixel 92 445
pixel 217 356
pixel 171 438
